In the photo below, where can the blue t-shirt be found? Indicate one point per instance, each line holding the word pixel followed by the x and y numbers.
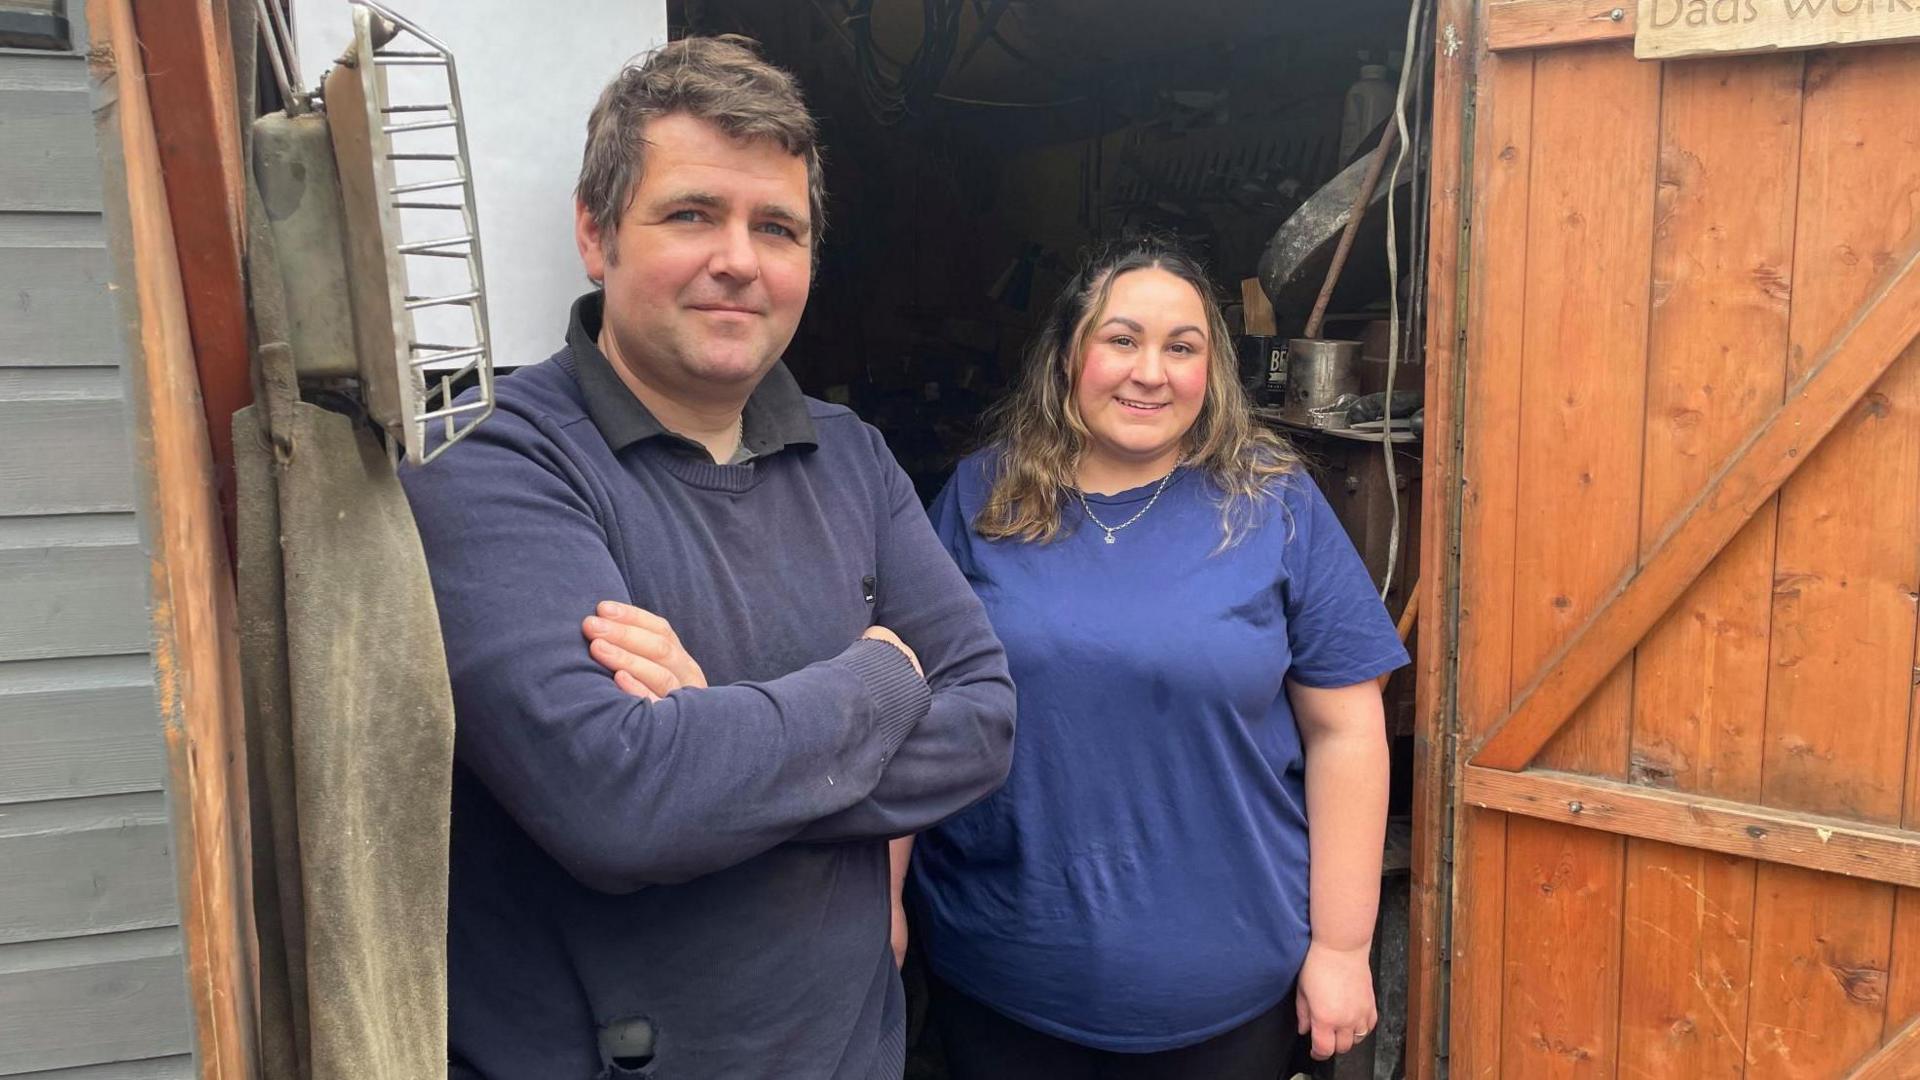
pixel 1140 882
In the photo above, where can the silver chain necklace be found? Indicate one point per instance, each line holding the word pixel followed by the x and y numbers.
pixel 1111 529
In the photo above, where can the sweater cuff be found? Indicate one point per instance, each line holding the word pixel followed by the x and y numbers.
pixel 901 698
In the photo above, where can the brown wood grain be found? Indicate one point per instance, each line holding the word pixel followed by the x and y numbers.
pixel 1840 379
pixel 1716 365
pixel 195 647
pixel 1667 33
pixel 1832 845
pixel 1534 24
pixel 1560 1016
pixel 1588 244
pixel 1583 381
pixel 1848 556
pixel 1903 982
pixel 1819 972
pixel 1898 1059
pixel 1433 685
pixel 1848 562
pixel 1903 985
pixel 188 58
pixel 1479 941
pixel 1685 981
pixel 1496 292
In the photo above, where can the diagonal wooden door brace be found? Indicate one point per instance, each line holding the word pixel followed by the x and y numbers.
pixel 1899 1057
pixel 1849 366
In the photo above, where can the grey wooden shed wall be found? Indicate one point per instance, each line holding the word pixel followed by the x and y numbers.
pixel 92 983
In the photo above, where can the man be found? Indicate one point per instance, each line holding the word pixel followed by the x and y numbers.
pixel 671 820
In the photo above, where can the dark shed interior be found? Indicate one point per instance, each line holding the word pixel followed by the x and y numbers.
pixel 975 147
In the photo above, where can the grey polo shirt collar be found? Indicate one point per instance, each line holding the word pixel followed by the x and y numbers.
pixel 774 419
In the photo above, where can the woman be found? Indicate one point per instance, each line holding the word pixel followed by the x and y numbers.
pixel 1195 645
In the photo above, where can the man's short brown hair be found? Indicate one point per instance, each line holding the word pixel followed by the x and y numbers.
pixel 721 80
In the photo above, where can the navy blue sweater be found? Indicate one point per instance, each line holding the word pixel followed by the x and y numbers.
pixel 712 867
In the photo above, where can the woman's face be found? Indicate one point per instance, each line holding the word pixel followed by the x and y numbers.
pixel 1143 373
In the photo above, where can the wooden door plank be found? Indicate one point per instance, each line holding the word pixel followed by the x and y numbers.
pixel 1583 381
pixel 1903 983
pixel 1433 688
pixel 1819 972
pixel 1899 1059
pixel 1479 942
pixel 1848 562
pixel 1845 372
pixel 1717 357
pixel 1535 24
pixel 1684 987
pixel 1847 559
pixel 1589 242
pixel 1502 155
pixel 1789 838
pixel 197 131
pixel 1560 1015
pixel 1717 353
pixel 195 646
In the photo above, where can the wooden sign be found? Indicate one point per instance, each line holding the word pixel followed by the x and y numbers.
pixel 1667 29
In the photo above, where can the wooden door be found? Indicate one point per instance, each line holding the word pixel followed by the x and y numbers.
pixel 1683 679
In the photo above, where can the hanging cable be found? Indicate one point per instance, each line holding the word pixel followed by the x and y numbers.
pixel 893 96
pixel 1393 292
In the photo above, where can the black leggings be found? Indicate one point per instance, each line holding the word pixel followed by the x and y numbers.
pixel 981 1044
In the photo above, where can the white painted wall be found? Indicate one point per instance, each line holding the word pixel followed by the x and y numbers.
pixel 529 73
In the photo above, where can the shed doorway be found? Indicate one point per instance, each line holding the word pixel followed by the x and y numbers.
pixel 975 147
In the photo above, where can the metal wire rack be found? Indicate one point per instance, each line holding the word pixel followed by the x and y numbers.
pixel 432 367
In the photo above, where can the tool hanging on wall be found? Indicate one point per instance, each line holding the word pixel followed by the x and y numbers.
pixel 1324 374
pixel 341 197
pixel 1376 165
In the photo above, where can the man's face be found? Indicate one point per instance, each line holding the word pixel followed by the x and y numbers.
pixel 713 259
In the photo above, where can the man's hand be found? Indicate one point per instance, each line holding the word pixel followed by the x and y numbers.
pixel 1335 999
pixel 898 852
pixel 641 650
pixel 647 659
pixel 881 633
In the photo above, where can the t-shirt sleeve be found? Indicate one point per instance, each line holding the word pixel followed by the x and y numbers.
pixel 950 521
pixel 1337 629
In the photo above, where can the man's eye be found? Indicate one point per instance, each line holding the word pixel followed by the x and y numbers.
pixel 684 215
pixel 776 229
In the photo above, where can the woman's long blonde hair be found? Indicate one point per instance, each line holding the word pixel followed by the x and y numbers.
pixel 1040 435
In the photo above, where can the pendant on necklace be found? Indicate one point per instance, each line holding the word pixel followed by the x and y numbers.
pixel 1109 536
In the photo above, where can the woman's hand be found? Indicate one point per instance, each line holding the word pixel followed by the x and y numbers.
pixel 641 650
pixel 1335 999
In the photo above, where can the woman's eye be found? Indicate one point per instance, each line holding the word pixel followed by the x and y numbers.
pixel 1121 341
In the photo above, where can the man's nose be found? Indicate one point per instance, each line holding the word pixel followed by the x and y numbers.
pixel 734 256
